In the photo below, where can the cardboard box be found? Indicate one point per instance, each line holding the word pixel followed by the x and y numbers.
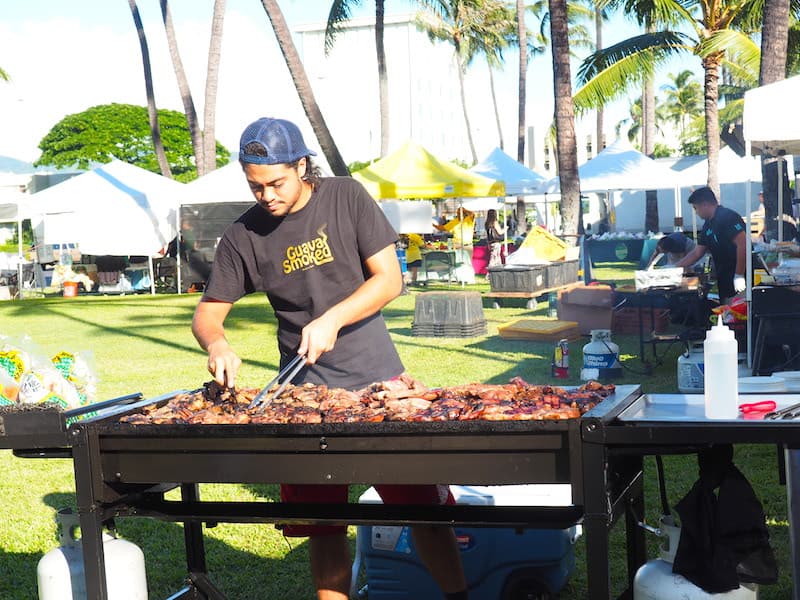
pixel 590 306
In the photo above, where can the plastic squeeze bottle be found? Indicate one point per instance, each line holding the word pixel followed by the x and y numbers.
pixel 721 373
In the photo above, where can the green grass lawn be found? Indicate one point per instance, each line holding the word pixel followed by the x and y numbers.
pixel 144 343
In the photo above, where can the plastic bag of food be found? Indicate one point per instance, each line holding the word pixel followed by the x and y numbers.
pixel 9 389
pixel 76 368
pixel 46 384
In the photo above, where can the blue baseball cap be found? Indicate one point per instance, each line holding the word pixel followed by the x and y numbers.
pixel 281 139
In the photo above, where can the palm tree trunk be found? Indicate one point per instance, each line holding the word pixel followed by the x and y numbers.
pixel 711 67
pixel 495 106
pixel 383 78
pixel 303 87
pixel 212 78
pixel 599 114
pixel 463 94
pixel 522 38
pixel 567 149
pixel 152 111
pixel 523 75
pixel 192 123
pixel 648 148
pixel 774 43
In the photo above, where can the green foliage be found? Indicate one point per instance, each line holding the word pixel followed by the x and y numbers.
pixel 106 132
pixel 662 151
pixel 357 165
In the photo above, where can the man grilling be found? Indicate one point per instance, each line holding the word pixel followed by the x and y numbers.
pixel 324 254
pixel 722 235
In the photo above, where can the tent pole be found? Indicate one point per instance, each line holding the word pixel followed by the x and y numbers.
pixel 178 248
pixel 152 279
pixel 780 199
pixel 678 209
pixel 19 254
pixel 748 276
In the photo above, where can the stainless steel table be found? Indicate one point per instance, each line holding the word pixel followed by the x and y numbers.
pixel 674 424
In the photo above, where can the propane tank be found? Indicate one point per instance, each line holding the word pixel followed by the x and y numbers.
pixel 655 580
pixel 601 357
pixel 691 369
pixel 720 353
pixel 60 572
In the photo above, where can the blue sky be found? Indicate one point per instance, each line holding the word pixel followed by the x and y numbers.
pixel 66 56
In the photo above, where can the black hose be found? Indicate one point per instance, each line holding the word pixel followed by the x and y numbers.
pixel 662 488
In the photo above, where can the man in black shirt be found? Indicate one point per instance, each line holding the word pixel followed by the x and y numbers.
pixel 324 254
pixel 722 234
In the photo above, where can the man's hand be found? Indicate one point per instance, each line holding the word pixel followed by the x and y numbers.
pixel 739 284
pixel 223 363
pixel 319 336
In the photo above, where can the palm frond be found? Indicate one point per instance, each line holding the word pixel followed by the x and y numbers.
pixel 657 45
pixel 3 75
pixel 749 17
pixel 731 113
pixel 341 11
pixel 739 50
pixel 618 78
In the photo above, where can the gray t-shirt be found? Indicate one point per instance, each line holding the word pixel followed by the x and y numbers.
pixel 306 262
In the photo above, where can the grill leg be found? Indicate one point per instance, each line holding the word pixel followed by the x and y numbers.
pixel 597 520
pixel 193 533
pixel 90 519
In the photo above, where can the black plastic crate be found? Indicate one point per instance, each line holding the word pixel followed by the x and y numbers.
pixel 562 272
pixel 518 278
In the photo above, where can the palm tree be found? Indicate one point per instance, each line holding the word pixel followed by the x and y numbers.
pixel 339 13
pixel 212 78
pixel 523 77
pixel 774 43
pixel 152 112
pixel 720 32
pixel 683 99
pixel 192 123
pixel 500 33
pixel 466 24
pixel 567 149
pixel 303 86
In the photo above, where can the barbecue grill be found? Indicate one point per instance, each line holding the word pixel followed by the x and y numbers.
pixel 122 469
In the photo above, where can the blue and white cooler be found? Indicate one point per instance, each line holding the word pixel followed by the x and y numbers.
pixel 499 564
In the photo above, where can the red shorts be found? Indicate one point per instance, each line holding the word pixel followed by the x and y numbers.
pixel 337 494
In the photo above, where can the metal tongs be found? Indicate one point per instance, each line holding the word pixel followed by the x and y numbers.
pixel 790 412
pixel 285 375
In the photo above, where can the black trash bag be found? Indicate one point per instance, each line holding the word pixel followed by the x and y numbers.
pixel 724 538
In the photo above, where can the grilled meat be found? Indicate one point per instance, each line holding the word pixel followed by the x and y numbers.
pixel 402 399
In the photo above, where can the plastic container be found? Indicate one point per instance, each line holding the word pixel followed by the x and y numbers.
pixel 448 314
pixel 70 289
pixel 601 357
pixel 60 572
pixel 787 272
pixel 721 373
pixel 499 563
pixel 691 370
pixel 517 278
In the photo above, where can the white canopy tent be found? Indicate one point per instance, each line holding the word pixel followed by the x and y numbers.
pixel 15 207
pixel 519 179
pixel 116 209
pixel 770 125
pixel 620 167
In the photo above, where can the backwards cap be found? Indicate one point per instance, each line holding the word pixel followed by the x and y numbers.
pixel 280 138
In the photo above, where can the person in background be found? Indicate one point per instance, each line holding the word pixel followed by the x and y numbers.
pixel 324 254
pixel 414 244
pixel 723 236
pixel 494 237
pixel 675 246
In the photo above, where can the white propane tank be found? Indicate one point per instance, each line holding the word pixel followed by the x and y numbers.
pixel 655 580
pixel 60 572
pixel 600 357
pixel 691 369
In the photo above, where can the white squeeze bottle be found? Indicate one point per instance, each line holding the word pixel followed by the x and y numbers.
pixel 721 373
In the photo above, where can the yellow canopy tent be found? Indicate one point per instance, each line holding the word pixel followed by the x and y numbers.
pixel 413 172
